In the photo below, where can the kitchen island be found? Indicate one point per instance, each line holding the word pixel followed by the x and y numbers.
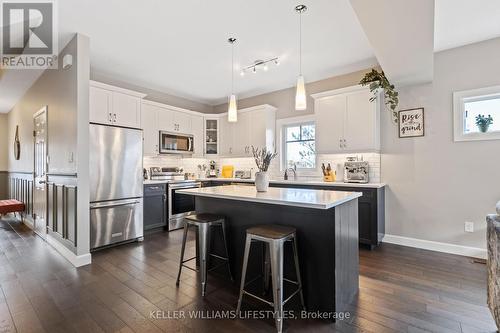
pixel 327 234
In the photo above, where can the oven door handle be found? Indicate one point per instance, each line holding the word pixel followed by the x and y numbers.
pixel 183 187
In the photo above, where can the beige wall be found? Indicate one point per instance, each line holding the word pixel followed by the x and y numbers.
pixel 58 90
pixel 436 184
pixel 284 99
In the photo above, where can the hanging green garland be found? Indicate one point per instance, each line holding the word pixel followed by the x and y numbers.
pixel 377 80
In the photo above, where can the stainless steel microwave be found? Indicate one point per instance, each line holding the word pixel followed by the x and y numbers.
pixel 175 143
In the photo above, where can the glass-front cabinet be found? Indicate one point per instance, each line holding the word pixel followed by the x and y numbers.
pixel 211 136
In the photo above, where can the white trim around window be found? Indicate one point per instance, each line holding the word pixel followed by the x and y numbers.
pixel 459 100
pixel 281 124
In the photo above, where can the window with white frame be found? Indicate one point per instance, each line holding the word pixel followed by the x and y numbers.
pixel 299 145
pixel 477 114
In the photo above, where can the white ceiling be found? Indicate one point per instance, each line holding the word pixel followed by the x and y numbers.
pixel 405 61
pixel 462 22
pixel 180 47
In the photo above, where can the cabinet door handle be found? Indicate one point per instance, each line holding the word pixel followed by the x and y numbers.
pixel 114 117
pixel 110 117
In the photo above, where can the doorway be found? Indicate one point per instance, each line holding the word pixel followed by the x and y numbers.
pixel 40 172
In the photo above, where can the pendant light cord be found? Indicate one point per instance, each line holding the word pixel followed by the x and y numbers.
pixel 300 43
pixel 232 68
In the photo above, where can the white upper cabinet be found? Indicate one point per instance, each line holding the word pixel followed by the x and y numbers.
pixel 100 105
pixel 255 127
pixel 346 121
pixel 127 110
pixel 197 130
pixel 361 123
pixel 226 138
pixel 114 106
pixel 241 135
pixel 262 129
pixel 182 122
pixel 165 119
pixel 170 119
pixel 158 117
pixel 330 113
pixel 150 129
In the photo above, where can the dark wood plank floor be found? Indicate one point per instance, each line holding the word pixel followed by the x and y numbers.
pixel 401 290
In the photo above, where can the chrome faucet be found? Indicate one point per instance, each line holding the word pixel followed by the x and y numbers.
pixel 294 170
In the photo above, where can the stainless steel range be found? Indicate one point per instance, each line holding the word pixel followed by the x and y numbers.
pixel 179 205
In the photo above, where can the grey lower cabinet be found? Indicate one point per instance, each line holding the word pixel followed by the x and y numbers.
pixel 155 206
pixel 371 210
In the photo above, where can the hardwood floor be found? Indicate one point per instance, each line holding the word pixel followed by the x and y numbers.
pixel 401 290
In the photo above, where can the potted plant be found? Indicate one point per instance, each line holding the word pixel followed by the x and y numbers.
pixel 483 122
pixel 263 159
pixel 377 80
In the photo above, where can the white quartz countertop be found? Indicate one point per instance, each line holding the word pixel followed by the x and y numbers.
pixel 308 198
pixel 290 182
pixel 299 182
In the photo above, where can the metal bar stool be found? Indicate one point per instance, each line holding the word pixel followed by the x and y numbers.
pixel 273 236
pixel 204 222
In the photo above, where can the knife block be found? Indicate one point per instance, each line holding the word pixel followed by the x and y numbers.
pixel 329 178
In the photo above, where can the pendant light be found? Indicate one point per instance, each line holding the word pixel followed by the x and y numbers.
pixel 232 111
pixel 300 95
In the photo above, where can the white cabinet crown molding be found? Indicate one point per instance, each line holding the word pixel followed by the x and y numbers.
pixel 268 107
pixel 117 89
pixel 173 108
pixel 340 91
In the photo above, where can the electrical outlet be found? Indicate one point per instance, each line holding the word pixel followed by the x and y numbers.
pixel 469 226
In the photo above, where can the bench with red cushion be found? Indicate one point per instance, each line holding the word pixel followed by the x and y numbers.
pixel 11 206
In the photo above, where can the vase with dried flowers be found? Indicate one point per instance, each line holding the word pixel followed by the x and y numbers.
pixel 263 159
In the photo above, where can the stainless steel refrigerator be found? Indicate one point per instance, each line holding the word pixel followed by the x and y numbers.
pixel 116 185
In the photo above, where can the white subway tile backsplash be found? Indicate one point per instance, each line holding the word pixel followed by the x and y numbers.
pixel 247 163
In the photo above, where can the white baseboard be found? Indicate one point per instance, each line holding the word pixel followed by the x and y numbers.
pixel 77 261
pixel 460 250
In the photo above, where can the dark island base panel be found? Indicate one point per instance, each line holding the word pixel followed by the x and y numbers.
pixel 327 243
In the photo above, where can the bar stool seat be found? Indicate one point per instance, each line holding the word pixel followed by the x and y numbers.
pixel 273 237
pixel 272 231
pixel 205 218
pixel 204 222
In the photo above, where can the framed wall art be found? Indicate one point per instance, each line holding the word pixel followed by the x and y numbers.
pixel 411 123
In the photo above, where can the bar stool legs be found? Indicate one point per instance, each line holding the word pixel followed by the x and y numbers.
pixel 276 254
pixel 244 272
pixel 204 222
pixel 183 249
pixel 224 236
pixel 202 249
pixel 274 238
pixel 297 271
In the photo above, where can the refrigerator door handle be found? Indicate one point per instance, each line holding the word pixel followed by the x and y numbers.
pixel 126 203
